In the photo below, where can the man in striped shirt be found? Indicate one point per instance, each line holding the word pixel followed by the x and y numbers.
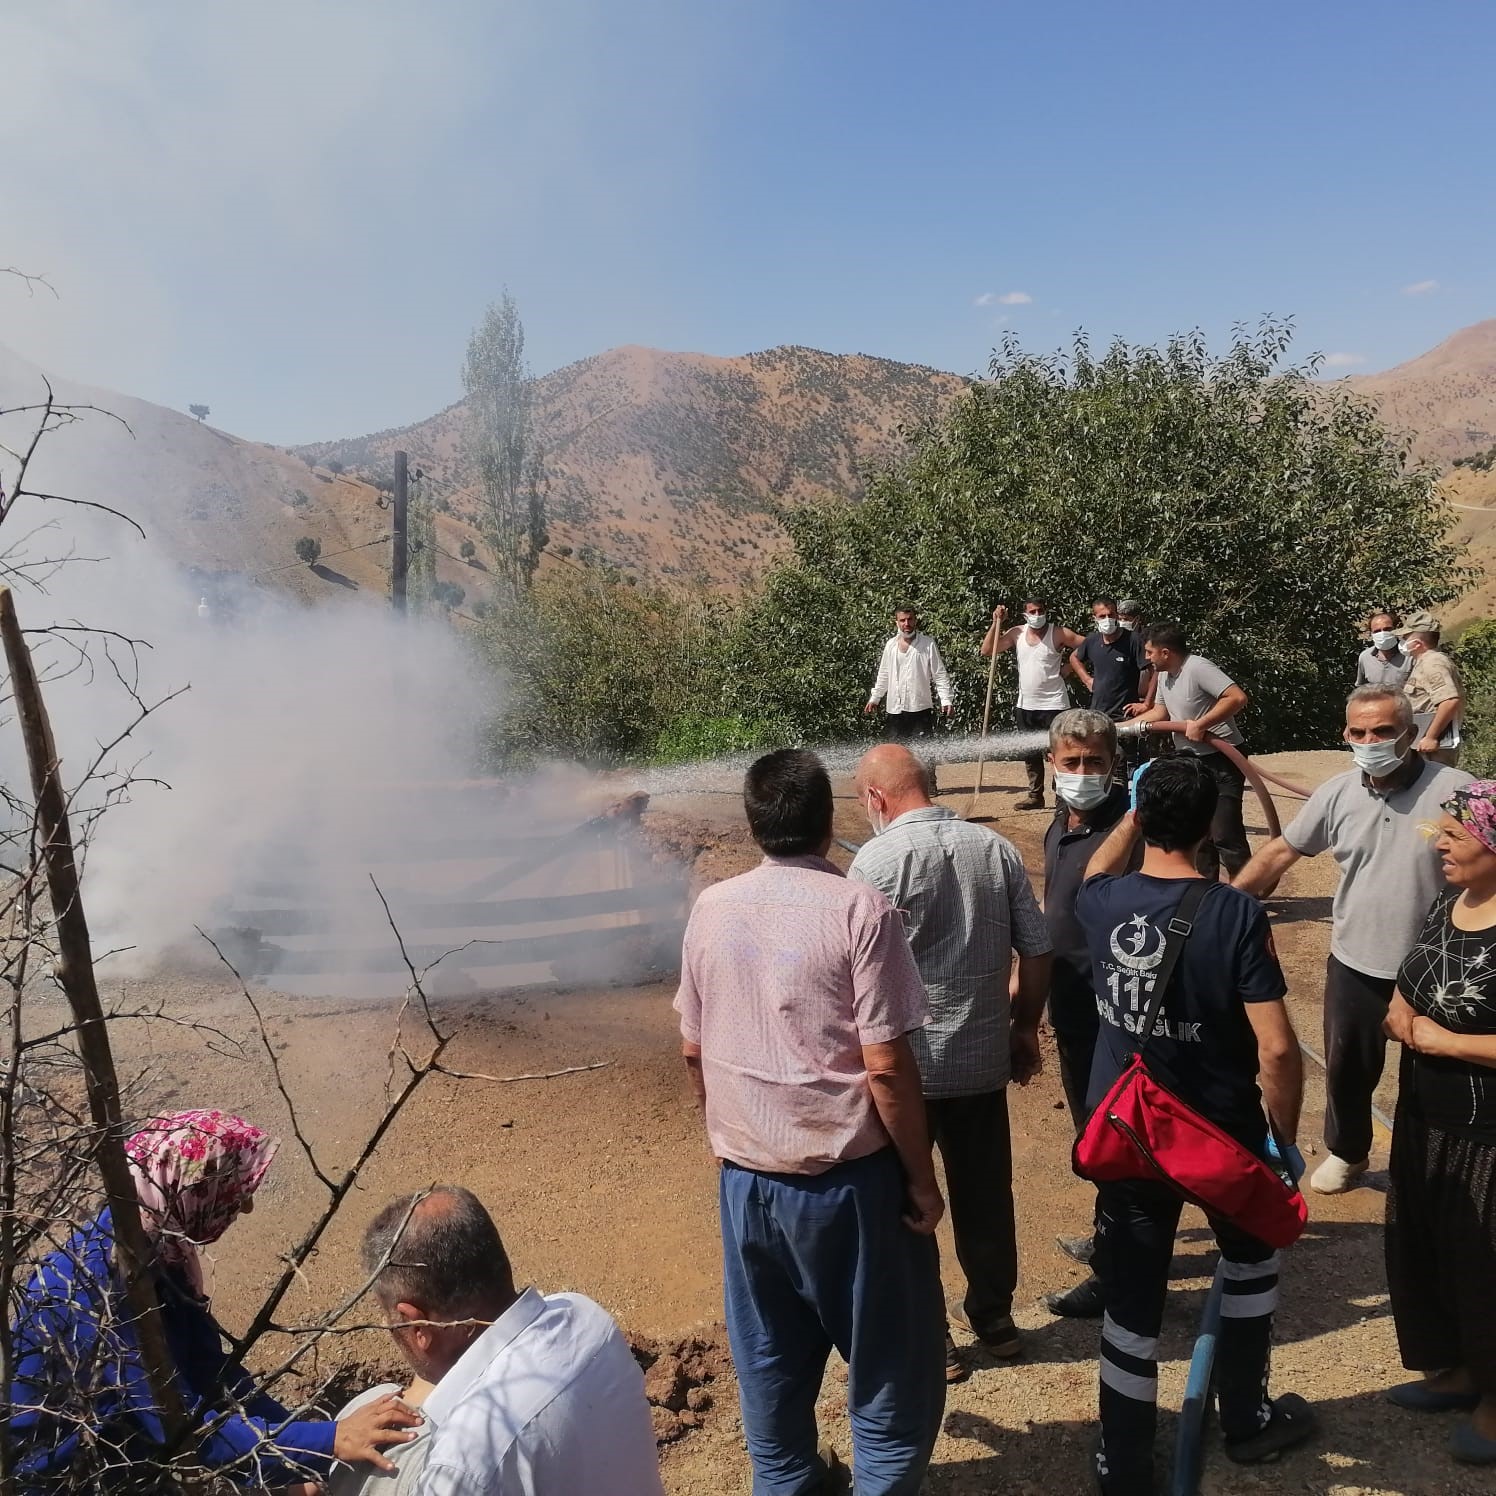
pixel 967 906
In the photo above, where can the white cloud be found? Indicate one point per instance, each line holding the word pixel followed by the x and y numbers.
pixel 1420 288
pixel 985 299
pixel 1015 298
pixel 1344 360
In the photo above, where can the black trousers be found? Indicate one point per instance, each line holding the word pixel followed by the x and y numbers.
pixel 1033 765
pixel 1355 1052
pixel 902 726
pixel 1135 1226
pixel 1227 844
pixel 1072 1016
pixel 976 1147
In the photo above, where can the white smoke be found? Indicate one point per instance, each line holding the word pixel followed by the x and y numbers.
pixel 311 747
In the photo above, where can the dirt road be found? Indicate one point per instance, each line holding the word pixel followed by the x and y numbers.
pixel 601 1182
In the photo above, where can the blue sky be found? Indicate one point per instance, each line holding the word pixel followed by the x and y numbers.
pixel 296 210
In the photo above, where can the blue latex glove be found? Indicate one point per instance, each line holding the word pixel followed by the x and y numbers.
pixel 1132 785
pixel 1290 1162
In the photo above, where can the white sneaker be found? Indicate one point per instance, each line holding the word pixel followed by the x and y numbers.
pixel 1335 1176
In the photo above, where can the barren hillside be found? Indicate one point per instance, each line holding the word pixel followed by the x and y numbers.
pixel 213 502
pixel 670 464
pixel 1446 398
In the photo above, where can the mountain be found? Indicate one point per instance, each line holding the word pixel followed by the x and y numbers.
pixel 672 464
pixel 1445 398
pixel 213 502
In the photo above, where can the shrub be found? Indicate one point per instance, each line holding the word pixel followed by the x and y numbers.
pixel 1475 654
pixel 309 550
pixel 467 550
pixel 695 736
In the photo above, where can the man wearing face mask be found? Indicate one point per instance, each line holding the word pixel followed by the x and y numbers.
pixel 1083 752
pixel 1112 665
pixel 1433 686
pixel 1371 819
pixel 910 675
pixel 1042 695
pixel 967 906
pixel 1383 662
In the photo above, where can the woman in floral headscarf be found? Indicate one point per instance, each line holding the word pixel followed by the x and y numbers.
pixel 1441 1204
pixel 82 1415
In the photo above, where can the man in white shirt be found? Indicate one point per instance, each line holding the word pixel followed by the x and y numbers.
pixel 1039 647
pixel 533 1395
pixel 910 675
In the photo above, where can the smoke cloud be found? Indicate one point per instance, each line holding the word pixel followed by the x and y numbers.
pixel 312 747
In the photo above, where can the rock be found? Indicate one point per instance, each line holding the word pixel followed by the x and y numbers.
pixel 699 1400
pixel 665 1384
pixel 667 1425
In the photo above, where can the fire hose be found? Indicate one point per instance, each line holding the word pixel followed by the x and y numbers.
pixel 1257 777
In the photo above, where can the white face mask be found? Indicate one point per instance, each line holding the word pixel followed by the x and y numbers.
pixel 908 630
pixel 1083 791
pixel 875 818
pixel 1129 624
pixel 1036 620
pixel 1380 760
pixel 1106 626
pixel 1384 639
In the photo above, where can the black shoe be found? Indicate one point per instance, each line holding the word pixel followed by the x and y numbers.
pixel 1292 1422
pixel 1030 801
pixel 1079 1249
pixel 1084 1301
pixel 956 1369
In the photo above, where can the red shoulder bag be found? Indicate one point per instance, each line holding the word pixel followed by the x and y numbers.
pixel 1141 1130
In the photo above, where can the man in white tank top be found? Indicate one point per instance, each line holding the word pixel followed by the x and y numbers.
pixel 1038 646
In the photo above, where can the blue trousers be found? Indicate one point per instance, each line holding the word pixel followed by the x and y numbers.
pixel 812 1261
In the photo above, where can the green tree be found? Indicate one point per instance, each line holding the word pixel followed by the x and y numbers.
pixel 200 411
pixel 1265 512
pixel 467 550
pixel 497 383
pixel 1475 654
pixel 309 550
pixel 600 671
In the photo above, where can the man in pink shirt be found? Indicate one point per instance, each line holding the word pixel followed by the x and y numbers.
pixel 797 995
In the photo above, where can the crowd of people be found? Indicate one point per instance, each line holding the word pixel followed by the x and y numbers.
pixel 840 1031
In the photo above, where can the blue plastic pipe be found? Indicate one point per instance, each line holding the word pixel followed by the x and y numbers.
pixel 1189 1449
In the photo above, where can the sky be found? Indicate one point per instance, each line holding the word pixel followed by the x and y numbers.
pixel 295 211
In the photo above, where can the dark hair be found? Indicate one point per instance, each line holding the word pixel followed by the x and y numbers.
pixel 905 608
pixel 1104 602
pixel 1176 800
pixel 1396 618
pixel 1038 602
pixel 439 1250
pixel 787 795
pixel 1168 636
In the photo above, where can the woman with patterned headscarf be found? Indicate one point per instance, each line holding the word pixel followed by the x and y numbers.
pixel 1441 1204
pixel 82 1414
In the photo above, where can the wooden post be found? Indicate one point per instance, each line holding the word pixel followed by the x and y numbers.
pixel 399 537
pixel 986 726
pixel 75 974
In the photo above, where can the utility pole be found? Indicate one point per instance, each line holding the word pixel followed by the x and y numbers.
pixel 399 539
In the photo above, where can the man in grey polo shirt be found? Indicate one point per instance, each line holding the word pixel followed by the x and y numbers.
pixel 967 906
pixel 1198 694
pixel 1372 819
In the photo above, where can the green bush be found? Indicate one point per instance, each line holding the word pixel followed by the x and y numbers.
pixel 1475 654
pixel 598 669
pixel 696 736
pixel 1265 512
pixel 309 550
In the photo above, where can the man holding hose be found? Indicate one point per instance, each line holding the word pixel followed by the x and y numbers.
pixel 1205 701
pixel 1372 819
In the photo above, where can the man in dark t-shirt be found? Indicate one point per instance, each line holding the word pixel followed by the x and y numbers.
pixel 1083 752
pixel 1110 661
pixel 1223 1029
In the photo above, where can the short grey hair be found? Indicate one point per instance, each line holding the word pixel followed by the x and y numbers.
pixel 1377 694
pixel 440 1250
pixel 1081 725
